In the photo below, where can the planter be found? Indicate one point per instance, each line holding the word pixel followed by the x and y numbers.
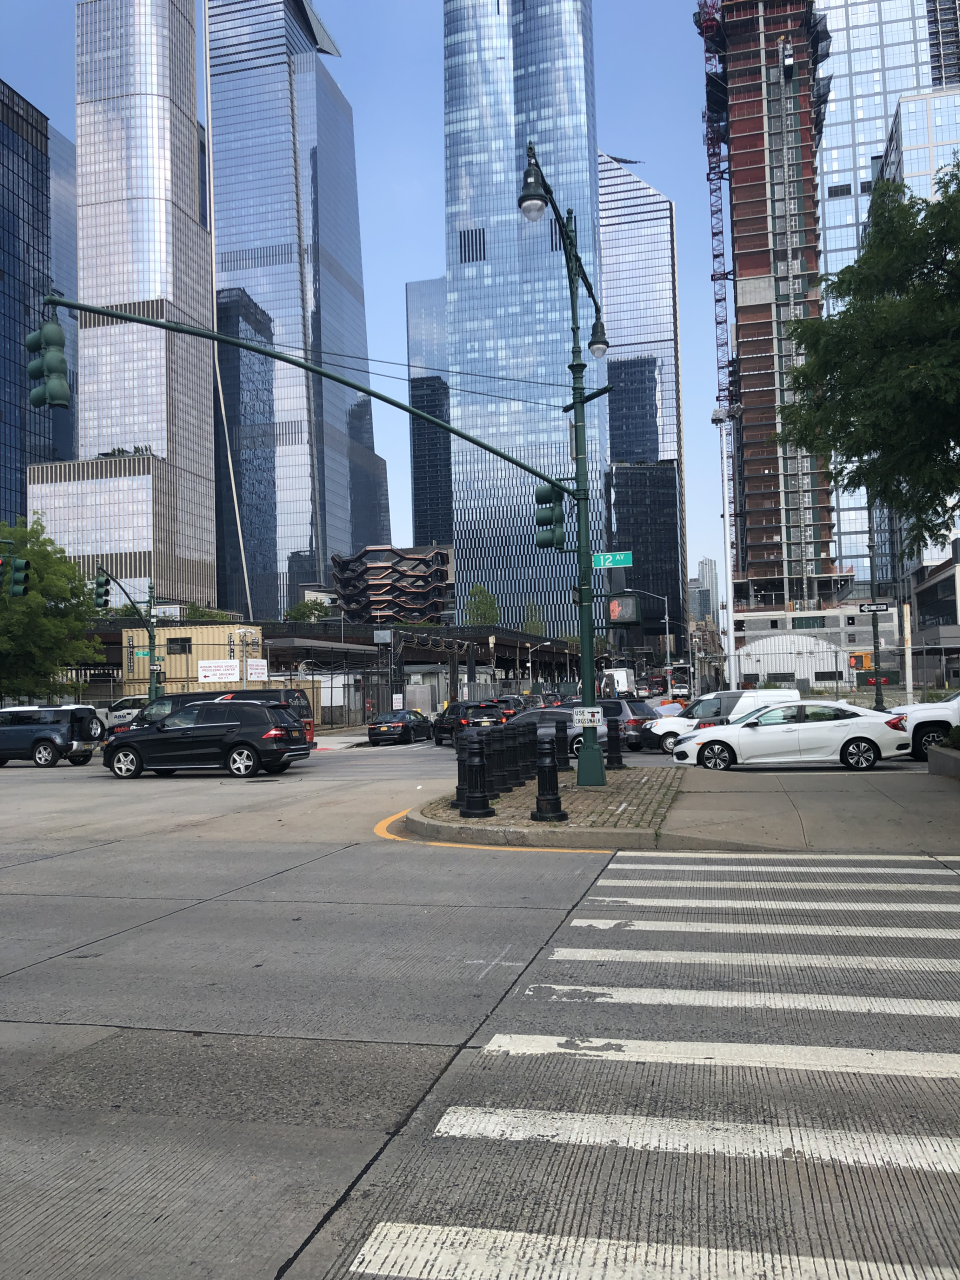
pixel 945 761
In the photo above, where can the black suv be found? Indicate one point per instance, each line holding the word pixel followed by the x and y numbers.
pixel 240 737
pixel 465 715
pixel 47 734
pixel 295 701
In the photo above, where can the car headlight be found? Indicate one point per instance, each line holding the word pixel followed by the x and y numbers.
pixel 689 737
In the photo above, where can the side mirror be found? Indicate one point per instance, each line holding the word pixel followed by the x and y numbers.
pixel 159 725
pixel 752 724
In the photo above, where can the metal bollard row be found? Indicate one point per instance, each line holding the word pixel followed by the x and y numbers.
pixel 614 756
pixel 549 805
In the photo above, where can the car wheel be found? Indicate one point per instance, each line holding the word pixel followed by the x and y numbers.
pixel 717 755
pixel 406 737
pixel 930 735
pixel 438 739
pixel 80 759
pixel 126 763
pixel 635 746
pixel 45 755
pixel 90 729
pixel 243 762
pixel 282 767
pixel 861 753
pixel 3 760
pixel 668 742
pixel 164 773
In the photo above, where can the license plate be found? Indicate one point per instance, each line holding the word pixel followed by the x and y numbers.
pixel 294 733
pixel 483 722
pixel 90 746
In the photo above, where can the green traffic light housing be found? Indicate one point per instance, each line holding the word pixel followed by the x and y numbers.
pixel 46 344
pixel 102 591
pixel 19 577
pixel 550 531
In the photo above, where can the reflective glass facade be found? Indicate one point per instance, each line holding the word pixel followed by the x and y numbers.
pixel 63 274
pixel 288 233
pixel 26 434
pixel 646 513
pixel 146 406
pixel 878 51
pixel 513 73
pixel 430 475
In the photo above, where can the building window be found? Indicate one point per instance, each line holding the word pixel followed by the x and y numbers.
pixel 774 624
pixel 809 624
pixel 180 644
pixel 843 190
pixel 851 622
pixel 851 637
pixel 473 245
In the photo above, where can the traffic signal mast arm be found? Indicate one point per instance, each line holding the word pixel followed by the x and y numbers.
pixel 211 336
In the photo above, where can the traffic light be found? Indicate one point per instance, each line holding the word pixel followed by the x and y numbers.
pixel 19 577
pixel 550 531
pixel 102 591
pixel 46 345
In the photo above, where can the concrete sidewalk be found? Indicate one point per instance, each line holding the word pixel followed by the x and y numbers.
pixel 900 811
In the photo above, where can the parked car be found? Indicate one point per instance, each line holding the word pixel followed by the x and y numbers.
pixel 928 723
pixel 798 732
pixel 123 710
pixel 240 737
pixel 47 735
pixel 465 715
pixel 546 722
pixel 511 705
pixel 400 726
pixel 661 733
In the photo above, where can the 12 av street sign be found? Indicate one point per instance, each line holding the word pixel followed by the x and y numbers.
pixel 613 559
pixel 874 608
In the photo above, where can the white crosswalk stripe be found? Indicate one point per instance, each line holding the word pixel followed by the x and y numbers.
pixel 753 904
pixel 627 861
pixel 748 1000
pixel 776 886
pixel 771 959
pixel 419 1251
pixel 787 930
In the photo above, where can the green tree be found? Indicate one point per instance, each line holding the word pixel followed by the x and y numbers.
pixel 42 633
pixel 308 611
pixel 878 394
pixel 533 620
pixel 196 613
pixel 481 608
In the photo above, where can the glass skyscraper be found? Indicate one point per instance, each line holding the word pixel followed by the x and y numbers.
pixel 516 72
pixel 287 232
pixel 430 477
pixel 644 485
pixel 141 497
pixel 26 434
pixel 878 51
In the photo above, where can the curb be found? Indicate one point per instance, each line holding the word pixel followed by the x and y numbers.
pixel 549 835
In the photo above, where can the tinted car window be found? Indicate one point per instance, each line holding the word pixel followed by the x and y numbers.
pixel 28 717
pixel 217 713
pixel 183 718
pixel 157 710
pixel 252 715
pixel 527 717
pixel 6 719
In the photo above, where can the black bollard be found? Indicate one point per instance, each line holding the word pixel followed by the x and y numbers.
pixel 461 796
pixel 495 760
pixel 510 753
pixel 523 752
pixel 531 729
pixel 614 758
pixel 493 790
pixel 548 791
pixel 477 803
pixel 563 746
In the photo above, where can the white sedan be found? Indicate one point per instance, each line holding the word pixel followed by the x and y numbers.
pixel 798 731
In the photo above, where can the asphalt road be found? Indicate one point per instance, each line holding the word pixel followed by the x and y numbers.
pixel 243 1037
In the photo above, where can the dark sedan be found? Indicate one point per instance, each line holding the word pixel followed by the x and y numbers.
pixel 241 737
pixel 399 726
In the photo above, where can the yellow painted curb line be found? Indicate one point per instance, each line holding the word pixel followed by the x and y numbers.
pixel 381 830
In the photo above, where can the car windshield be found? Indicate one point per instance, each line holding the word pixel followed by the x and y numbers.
pixel 747 715
pixel 394 717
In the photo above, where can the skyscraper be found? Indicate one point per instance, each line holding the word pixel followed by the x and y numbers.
pixel 430 478
pixel 644 485
pixel 140 500
pixel 63 278
pixel 26 434
pixel 767 104
pixel 877 52
pixel 287 232
pixel 514 73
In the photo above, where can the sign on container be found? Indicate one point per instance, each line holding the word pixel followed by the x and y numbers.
pixel 222 671
pixel 257 669
pixel 398 702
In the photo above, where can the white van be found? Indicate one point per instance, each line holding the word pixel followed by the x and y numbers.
pixel 661 734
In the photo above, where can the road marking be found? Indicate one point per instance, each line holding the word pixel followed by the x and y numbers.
pixel 381 830
pixel 752 904
pixel 869 887
pixel 417 1251
pixel 934 1066
pixel 791 930
pixel 792 854
pixel 625 860
pixel 891 964
pixel 933 1154
pixel 779 1000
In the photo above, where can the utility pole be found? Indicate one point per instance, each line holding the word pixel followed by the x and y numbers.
pixel 871 547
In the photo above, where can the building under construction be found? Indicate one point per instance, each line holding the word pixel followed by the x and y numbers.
pixel 764 115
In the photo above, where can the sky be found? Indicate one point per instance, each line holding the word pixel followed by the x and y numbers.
pixel 649 85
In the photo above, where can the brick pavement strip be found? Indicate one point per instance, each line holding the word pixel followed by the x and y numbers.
pixel 636 799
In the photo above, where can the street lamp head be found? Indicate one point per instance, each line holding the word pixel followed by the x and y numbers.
pixel 533 198
pixel 598 343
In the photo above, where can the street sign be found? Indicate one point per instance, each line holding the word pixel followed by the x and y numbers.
pixel 588 717
pixel 141 653
pixel 613 559
pixel 155 666
pixel 397 702
pixel 874 608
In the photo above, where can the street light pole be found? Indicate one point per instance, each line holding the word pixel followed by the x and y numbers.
pixel 666 618
pixel 535 196
pixel 871 547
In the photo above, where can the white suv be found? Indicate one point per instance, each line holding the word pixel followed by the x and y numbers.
pixel 928 723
